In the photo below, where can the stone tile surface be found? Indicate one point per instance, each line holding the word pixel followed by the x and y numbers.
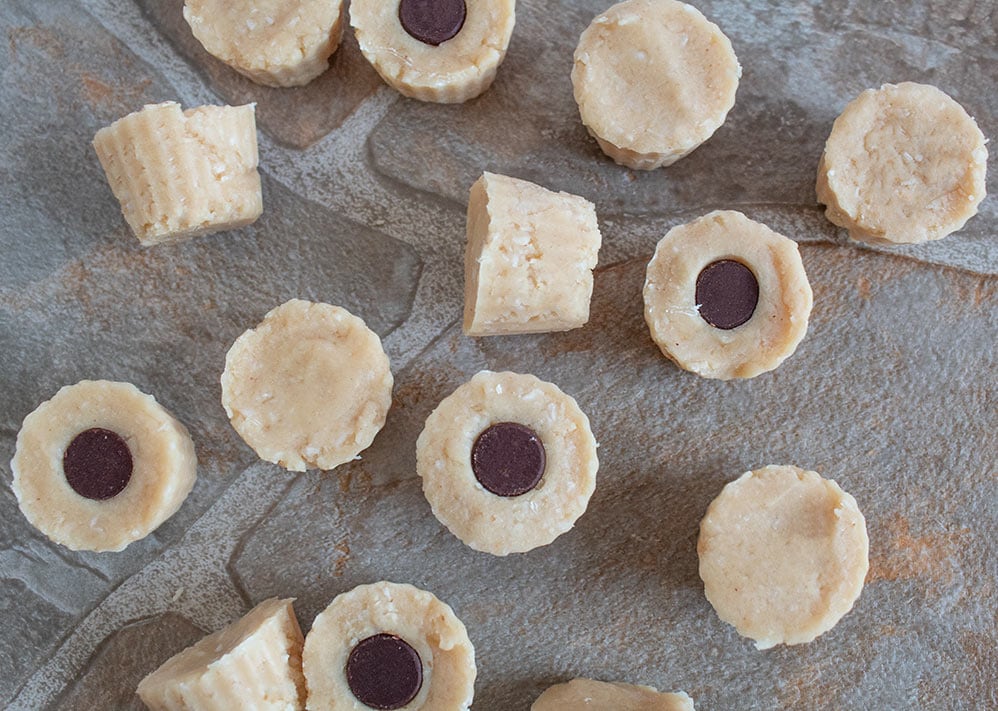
pixel 892 393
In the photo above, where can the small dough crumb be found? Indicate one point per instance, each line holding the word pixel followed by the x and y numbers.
pixel 273 42
pixel 457 69
pixel 254 664
pixel 178 174
pixel 783 555
pixel 653 79
pixel 310 387
pixel 581 694
pixel 435 639
pixel 904 164
pixel 529 260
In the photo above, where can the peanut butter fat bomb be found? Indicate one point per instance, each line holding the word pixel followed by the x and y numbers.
pixel 783 555
pixel 508 462
pixel 178 174
pixel 653 80
pixel 101 465
pixel 726 297
pixel 529 260
pixel 388 646
pixel 254 664
pixel 309 387
pixel 273 42
pixel 445 51
pixel 581 694
pixel 904 164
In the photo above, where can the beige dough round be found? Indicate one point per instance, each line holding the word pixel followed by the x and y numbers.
pixel 653 80
pixel 428 625
pixel 308 388
pixel 783 555
pixel 254 664
pixel 581 694
pixel 164 466
pixel 486 521
pixel 452 72
pixel 904 164
pixel 273 42
pixel 775 328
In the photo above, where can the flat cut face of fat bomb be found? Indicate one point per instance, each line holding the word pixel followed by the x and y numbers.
pixel 443 51
pixel 101 465
pixel 726 297
pixel 310 387
pixel 581 694
pixel 488 493
pixel 653 80
pixel 179 174
pixel 904 164
pixel 386 643
pixel 529 259
pixel 783 555
pixel 273 42
pixel 254 664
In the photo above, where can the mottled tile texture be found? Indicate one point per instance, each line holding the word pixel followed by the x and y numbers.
pixel 892 393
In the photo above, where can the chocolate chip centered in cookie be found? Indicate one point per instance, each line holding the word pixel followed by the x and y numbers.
pixel 727 293
pixel 384 672
pixel 97 464
pixel 508 459
pixel 432 21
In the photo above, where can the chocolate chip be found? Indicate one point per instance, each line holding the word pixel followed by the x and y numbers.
pixel 432 21
pixel 97 464
pixel 384 672
pixel 508 459
pixel 727 293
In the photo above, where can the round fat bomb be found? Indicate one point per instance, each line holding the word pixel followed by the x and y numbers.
pixel 273 42
pixel 783 555
pixel 609 696
pixel 388 646
pixel 653 80
pixel 309 387
pixel 445 51
pixel 726 297
pixel 508 462
pixel 101 465
pixel 904 163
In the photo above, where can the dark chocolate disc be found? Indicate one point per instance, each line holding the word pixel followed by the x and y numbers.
pixel 97 464
pixel 508 459
pixel 384 672
pixel 432 21
pixel 727 293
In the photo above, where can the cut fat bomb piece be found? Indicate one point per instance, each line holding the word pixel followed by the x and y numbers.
pixel 529 260
pixel 653 80
pixel 444 51
pixel 508 462
pixel 783 554
pixel 904 164
pixel 581 694
pixel 254 664
pixel 101 465
pixel 388 646
pixel 178 174
pixel 308 388
pixel 273 42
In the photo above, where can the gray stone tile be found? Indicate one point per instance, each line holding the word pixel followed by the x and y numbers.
pixel 891 393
